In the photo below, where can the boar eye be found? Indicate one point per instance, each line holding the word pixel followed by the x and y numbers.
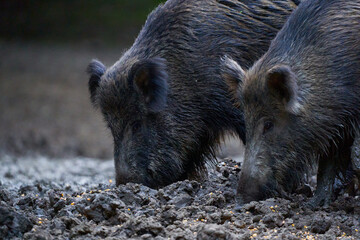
pixel 151 174
pixel 136 126
pixel 268 125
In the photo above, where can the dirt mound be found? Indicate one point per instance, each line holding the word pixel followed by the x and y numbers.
pixel 77 198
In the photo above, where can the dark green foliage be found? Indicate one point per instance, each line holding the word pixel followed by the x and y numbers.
pixel 59 20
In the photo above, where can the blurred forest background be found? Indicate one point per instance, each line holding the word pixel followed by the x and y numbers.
pixel 45 47
pixel 66 21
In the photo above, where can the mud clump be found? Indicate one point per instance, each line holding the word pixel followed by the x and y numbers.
pixel 13 223
pixel 320 225
pixel 69 203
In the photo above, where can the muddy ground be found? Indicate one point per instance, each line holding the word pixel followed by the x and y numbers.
pixel 57 176
pixel 76 199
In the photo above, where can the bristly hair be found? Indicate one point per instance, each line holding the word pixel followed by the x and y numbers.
pixel 192 36
pixel 95 69
pixel 198 29
pixel 331 113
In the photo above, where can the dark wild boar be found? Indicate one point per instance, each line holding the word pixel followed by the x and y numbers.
pixel 301 101
pixel 164 100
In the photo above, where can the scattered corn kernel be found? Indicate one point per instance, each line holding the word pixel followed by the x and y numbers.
pixel 110 181
pixel 72 203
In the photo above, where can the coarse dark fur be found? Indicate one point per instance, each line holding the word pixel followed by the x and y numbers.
pixel 301 101
pixel 165 101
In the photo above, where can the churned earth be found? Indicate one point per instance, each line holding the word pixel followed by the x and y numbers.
pixel 76 198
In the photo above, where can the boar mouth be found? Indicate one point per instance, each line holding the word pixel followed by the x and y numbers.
pixel 258 192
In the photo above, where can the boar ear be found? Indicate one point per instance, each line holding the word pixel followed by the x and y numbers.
pixel 282 82
pixel 233 75
pixel 150 78
pixel 95 69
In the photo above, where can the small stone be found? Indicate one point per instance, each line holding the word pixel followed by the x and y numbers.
pixel 256 218
pixel 320 225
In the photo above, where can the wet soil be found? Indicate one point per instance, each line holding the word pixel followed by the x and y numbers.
pixel 43 198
